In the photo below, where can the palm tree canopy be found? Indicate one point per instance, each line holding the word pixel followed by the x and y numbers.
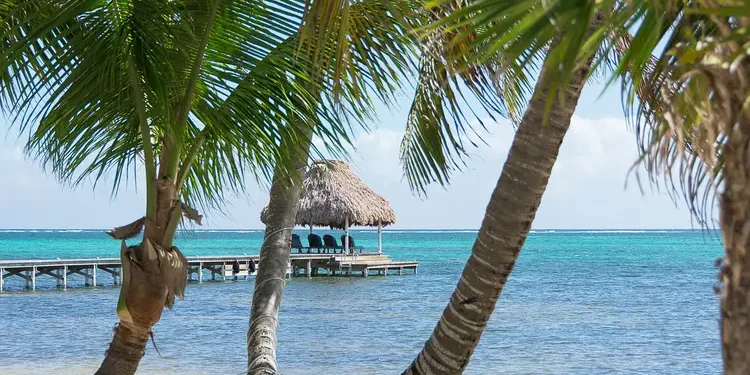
pixel 459 57
pixel 665 67
pixel 82 76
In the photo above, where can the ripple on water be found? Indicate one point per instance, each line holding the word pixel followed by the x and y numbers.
pixel 627 303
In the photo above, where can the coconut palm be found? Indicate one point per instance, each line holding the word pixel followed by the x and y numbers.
pixel 506 223
pixel 361 47
pixel 697 124
pixel 370 37
pixel 192 96
pixel 690 114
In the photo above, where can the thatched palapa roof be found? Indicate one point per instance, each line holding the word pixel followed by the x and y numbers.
pixel 332 192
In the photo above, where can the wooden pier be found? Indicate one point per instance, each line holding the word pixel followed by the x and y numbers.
pixel 218 267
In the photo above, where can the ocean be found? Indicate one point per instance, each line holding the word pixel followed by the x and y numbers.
pixel 578 302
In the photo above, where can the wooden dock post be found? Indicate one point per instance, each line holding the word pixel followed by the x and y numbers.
pixel 308 269
pixel 365 272
pixel 200 272
pixel 93 271
pixel 385 271
pixel 2 273
pixel 380 238
pixel 400 271
pixel 65 277
pixel 33 278
pixel 58 278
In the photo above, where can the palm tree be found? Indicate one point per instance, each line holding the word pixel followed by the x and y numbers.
pixel 358 48
pixel 698 125
pixel 426 151
pixel 371 38
pixel 506 223
pixel 691 117
pixel 191 95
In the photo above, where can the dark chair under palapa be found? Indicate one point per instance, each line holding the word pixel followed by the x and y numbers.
pixel 352 246
pixel 315 242
pixel 330 243
pixel 296 243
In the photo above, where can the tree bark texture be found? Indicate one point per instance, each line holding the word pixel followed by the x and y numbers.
pixel 153 275
pixel 125 351
pixel 735 219
pixel 506 224
pixel 274 259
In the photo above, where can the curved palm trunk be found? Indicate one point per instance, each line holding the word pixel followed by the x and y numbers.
pixel 274 258
pixel 735 225
pixel 506 224
pixel 735 302
pixel 154 273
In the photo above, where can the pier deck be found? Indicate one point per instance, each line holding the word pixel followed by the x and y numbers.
pixel 219 266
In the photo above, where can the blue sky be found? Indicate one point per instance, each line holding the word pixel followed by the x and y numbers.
pixel 587 189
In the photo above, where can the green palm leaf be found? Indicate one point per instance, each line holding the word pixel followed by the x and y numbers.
pixel 66 81
pixel 434 140
pixel 663 97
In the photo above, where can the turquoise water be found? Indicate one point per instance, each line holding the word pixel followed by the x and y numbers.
pixel 578 302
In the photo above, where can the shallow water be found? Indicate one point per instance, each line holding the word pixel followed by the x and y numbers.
pixel 578 302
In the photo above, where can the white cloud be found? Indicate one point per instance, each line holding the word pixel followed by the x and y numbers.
pixel 586 189
pixel 31 199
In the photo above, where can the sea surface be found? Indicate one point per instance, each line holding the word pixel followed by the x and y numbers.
pixel 578 302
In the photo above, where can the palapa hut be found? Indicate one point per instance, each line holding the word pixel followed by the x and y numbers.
pixel 333 196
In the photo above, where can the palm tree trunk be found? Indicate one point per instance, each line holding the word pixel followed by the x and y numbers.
pixel 125 351
pixel 274 258
pixel 506 224
pixel 735 224
pixel 144 293
pixel 154 273
pixel 735 302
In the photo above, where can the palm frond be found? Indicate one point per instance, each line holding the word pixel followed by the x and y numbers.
pixel 355 50
pixel 67 79
pixel 434 142
pixel 683 127
pixel 669 69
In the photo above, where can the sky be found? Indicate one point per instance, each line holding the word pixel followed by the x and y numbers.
pixel 590 187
